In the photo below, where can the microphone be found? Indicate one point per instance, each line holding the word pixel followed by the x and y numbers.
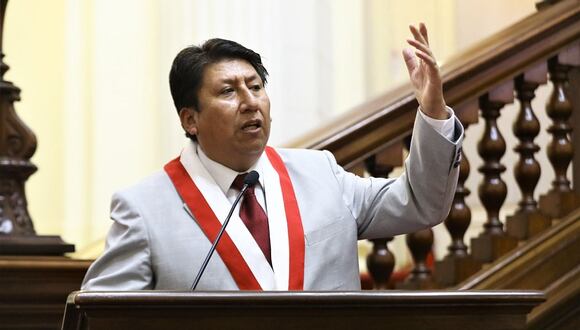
pixel 249 180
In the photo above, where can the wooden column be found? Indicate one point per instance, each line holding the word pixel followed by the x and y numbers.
pixel 17 145
pixel 561 199
pixel 381 261
pixel 528 220
pixel 493 242
pixel 458 264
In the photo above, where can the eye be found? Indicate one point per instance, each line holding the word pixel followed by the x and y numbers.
pixel 256 87
pixel 227 91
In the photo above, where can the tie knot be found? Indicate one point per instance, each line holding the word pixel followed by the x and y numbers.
pixel 239 181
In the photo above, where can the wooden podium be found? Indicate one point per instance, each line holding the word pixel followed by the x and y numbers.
pixel 300 310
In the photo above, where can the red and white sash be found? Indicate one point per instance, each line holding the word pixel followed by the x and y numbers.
pixel 237 248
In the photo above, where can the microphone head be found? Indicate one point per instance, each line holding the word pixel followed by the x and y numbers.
pixel 251 178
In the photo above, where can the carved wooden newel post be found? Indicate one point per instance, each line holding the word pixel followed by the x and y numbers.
pixel 17 145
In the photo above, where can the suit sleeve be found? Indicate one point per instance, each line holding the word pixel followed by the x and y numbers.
pixel 421 197
pixel 126 262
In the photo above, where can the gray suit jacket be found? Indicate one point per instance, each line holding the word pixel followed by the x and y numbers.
pixel 155 244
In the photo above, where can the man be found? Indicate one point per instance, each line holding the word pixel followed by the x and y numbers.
pixel 297 228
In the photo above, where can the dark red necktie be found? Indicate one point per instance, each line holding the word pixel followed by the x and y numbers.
pixel 254 217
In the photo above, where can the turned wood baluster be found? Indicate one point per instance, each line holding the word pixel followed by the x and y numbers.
pixel 493 242
pixel 560 200
pixel 492 190
pixel 459 216
pixel 420 243
pixel 380 262
pixel 527 221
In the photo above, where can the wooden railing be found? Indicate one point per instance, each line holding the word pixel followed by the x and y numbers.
pixel 509 65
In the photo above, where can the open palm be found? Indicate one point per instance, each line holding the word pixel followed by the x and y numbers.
pixel 424 74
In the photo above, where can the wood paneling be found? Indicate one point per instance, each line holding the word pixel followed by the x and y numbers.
pixel 33 290
pixel 300 310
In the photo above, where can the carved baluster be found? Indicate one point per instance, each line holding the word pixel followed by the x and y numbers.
pixel 380 262
pixel 459 216
pixel 560 200
pixel 528 220
pixel 420 243
pixel 458 264
pixel 493 242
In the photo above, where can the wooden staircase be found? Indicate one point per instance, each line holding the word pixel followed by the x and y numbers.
pixel 538 247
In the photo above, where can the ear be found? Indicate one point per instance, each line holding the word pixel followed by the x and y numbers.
pixel 188 117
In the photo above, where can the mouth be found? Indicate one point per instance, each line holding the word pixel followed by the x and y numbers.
pixel 252 125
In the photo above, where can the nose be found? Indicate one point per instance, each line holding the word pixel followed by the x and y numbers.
pixel 248 101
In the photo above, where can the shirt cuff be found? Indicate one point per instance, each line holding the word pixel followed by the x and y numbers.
pixel 445 127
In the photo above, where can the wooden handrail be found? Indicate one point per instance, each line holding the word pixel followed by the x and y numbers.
pixel 380 122
pixel 533 265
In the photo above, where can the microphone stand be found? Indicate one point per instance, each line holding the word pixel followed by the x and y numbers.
pixel 219 235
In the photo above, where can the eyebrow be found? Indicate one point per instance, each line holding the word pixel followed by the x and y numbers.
pixel 246 78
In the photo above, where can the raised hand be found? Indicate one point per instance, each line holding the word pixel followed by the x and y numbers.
pixel 424 73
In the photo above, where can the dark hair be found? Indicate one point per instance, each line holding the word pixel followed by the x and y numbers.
pixel 186 73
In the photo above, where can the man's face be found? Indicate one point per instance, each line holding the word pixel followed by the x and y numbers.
pixel 232 123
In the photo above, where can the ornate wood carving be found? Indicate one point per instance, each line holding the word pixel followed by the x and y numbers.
pixel 17 145
pixel 560 200
pixel 493 242
pixel 528 220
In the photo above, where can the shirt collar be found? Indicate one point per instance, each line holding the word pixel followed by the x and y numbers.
pixel 223 175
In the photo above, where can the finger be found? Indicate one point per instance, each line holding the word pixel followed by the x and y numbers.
pixel 420 46
pixel 423 30
pixel 416 34
pixel 427 58
pixel 410 59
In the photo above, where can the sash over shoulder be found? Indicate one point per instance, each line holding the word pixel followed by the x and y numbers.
pixel 250 274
